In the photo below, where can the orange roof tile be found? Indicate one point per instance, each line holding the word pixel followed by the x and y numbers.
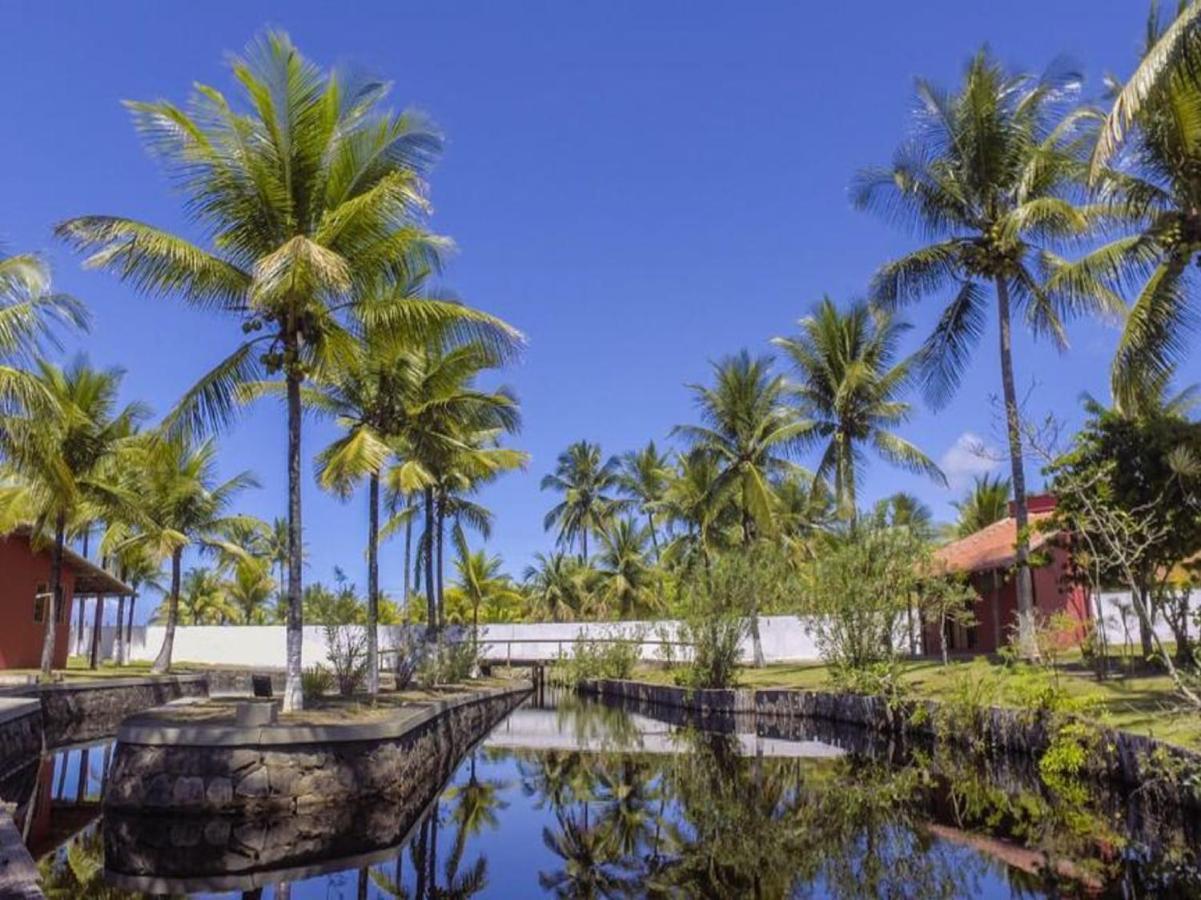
pixel 991 547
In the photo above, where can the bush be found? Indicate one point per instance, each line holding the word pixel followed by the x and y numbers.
pixel 448 662
pixel 856 590
pixel 716 640
pixel 591 659
pixel 315 682
pixel 347 654
pixel 406 656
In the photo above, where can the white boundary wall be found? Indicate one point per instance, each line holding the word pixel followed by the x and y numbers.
pixel 784 639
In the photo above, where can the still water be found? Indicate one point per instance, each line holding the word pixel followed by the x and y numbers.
pixel 576 799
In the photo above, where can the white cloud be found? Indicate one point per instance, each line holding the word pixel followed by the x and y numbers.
pixel 967 458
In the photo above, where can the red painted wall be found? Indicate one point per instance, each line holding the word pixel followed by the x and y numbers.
pixel 1053 592
pixel 21 571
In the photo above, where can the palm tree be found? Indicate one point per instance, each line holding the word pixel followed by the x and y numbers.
pixel 1154 185
pixel 985 503
pixel 749 432
pixel 365 391
pixel 627 583
pixel 315 202
pixel 202 600
pixel 902 510
pixel 250 590
pixel 991 172
pixel 31 319
pixel 58 462
pixel 447 445
pixel 586 484
pixel 184 507
pixel 481 581
pixel 644 478
pixel 1171 53
pixel 848 387
pixel 691 502
pixel 804 509
pixel 560 586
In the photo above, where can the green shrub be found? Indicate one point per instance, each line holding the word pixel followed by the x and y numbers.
pixel 316 681
pixel 593 658
pixel 448 662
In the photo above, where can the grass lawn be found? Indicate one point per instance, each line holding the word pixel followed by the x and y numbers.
pixel 1140 703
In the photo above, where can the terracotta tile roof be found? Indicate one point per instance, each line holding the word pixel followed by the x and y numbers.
pixel 990 547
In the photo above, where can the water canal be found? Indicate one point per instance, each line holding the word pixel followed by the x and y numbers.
pixel 571 798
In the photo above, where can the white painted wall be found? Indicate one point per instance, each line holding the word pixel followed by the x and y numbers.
pixel 784 639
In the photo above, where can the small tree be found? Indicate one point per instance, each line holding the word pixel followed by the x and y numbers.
pixel 946 600
pixel 855 592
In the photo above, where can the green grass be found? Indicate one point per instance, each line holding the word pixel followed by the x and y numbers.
pixel 1142 703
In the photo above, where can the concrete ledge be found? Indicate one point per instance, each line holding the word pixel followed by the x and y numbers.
pixel 199 769
pixel 19 877
pixel 150 729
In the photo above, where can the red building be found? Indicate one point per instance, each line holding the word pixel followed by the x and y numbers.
pixel 987 557
pixel 25 599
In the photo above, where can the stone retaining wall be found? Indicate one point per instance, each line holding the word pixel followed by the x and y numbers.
pixel 1131 759
pixel 77 711
pixel 20 734
pixel 225 773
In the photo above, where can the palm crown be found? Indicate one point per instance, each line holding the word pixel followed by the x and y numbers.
pixel 847 390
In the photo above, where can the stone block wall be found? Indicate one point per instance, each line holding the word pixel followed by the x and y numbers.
pixel 1131 759
pixel 244 779
pixel 85 711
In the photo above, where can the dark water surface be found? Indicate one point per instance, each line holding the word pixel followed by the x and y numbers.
pixel 576 799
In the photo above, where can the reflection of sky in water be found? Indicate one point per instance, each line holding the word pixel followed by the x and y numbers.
pixel 532 743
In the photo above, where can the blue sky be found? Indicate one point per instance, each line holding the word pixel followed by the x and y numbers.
pixel 640 187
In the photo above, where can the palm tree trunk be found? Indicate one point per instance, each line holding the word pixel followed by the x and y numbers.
pixel 373 586
pixel 119 638
pixel 408 556
pixel 293 696
pixel 56 581
pixel 97 624
pixel 650 519
pixel 1013 428
pixel 440 536
pixel 583 545
pixel 162 662
pixel 431 599
pixel 133 598
pixel 757 658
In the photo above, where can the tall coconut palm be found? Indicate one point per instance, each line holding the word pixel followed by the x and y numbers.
pixel 749 431
pixel 626 580
pixel 185 506
pixel 990 172
pixel 987 502
pixel 58 462
pixel 32 318
pixel 848 387
pixel 249 590
pixel 708 519
pixel 315 201
pixel 481 581
pixel 1153 181
pixel 587 484
pixel 1171 52
pixel 560 586
pixel 448 443
pixel 365 392
pixel 643 479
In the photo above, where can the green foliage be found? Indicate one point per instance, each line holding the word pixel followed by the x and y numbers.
pixel 587 483
pixel 449 662
pixel 316 682
pixel 985 503
pixel 597 657
pixel 849 389
pixel 855 593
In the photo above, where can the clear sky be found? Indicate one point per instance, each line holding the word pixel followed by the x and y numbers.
pixel 641 187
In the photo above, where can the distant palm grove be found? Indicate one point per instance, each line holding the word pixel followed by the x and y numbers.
pixel 1027 206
